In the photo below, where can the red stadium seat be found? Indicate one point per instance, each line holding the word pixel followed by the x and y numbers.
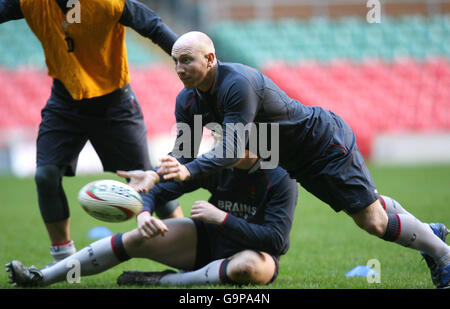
pixel 374 96
pixel 24 93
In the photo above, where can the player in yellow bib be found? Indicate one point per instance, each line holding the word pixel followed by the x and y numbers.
pixel 91 98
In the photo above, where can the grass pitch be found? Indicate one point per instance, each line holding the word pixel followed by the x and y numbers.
pixel 324 245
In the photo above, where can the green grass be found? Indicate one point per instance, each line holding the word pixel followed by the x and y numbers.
pixel 324 244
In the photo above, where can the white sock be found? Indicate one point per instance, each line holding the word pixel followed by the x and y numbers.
pixel 93 259
pixel 209 274
pixel 61 251
pixel 416 234
pixel 392 206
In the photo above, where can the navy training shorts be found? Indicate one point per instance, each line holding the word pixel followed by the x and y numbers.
pixel 339 176
pixel 213 245
pixel 113 123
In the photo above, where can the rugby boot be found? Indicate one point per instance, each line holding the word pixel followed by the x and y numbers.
pixel 441 231
pixel 142 278
pixel 22 276
pixel 443 277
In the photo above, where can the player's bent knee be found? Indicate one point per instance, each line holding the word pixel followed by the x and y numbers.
pixel 244 272
pixel 47 177
pixel 251 268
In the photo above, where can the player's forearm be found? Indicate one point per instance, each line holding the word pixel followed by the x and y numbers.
pixel 205 166
pixel 147 23
pixel 10 10
pixel 164 192
pixel 225 154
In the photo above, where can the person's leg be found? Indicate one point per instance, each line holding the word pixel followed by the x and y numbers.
pixel 53 203
pixel 242 267
pixel 58 144
pixel 171 209
pixel 399 226
pixel 373 219
pixel 251 267
pixel 177 213
pixel 340 178
pixel 177 249
pixel 245 267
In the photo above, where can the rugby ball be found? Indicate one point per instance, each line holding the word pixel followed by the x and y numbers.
pixel 110 200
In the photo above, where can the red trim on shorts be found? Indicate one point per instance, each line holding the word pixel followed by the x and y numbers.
pixel 340 146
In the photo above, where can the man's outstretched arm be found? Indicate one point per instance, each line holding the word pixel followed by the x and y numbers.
pixel 148 24
pixel 10 10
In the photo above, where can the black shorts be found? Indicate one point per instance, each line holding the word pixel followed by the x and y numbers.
pixel 113 123
pixel 339 175
pixel 213 245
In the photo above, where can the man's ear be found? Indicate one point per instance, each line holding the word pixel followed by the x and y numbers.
pixel 211 58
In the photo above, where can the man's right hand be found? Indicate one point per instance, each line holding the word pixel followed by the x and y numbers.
pixel 150 226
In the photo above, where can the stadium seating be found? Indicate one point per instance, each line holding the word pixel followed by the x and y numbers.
pixel 25 92
pixel 19 47
pixel 373 96
pixel 26 86
pixel 375 76
pixel 24 50
pixel 257 42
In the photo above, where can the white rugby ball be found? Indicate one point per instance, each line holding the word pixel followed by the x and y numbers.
pixel 110 200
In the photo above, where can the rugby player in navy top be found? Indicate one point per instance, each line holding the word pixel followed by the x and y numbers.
pixel 316 147
pixel 237 236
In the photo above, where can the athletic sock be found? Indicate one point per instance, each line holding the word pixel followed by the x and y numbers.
pixel 213 273
pixel 61 251
pixel 93 259
pixel 391 206
pixel 406 230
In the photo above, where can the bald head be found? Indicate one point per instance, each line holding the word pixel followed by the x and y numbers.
pixel 195 60
pixel 195 40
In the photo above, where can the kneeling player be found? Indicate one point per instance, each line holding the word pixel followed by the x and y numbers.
pixel 236 237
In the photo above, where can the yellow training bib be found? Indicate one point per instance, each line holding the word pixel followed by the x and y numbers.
pixel 98 63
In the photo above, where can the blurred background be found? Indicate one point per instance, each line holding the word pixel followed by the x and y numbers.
pixel 384 66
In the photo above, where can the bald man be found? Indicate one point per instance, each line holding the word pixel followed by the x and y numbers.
pixel 316 147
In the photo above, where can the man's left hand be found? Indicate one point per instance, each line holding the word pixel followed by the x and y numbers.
pixel 170 168
pixel 207 212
